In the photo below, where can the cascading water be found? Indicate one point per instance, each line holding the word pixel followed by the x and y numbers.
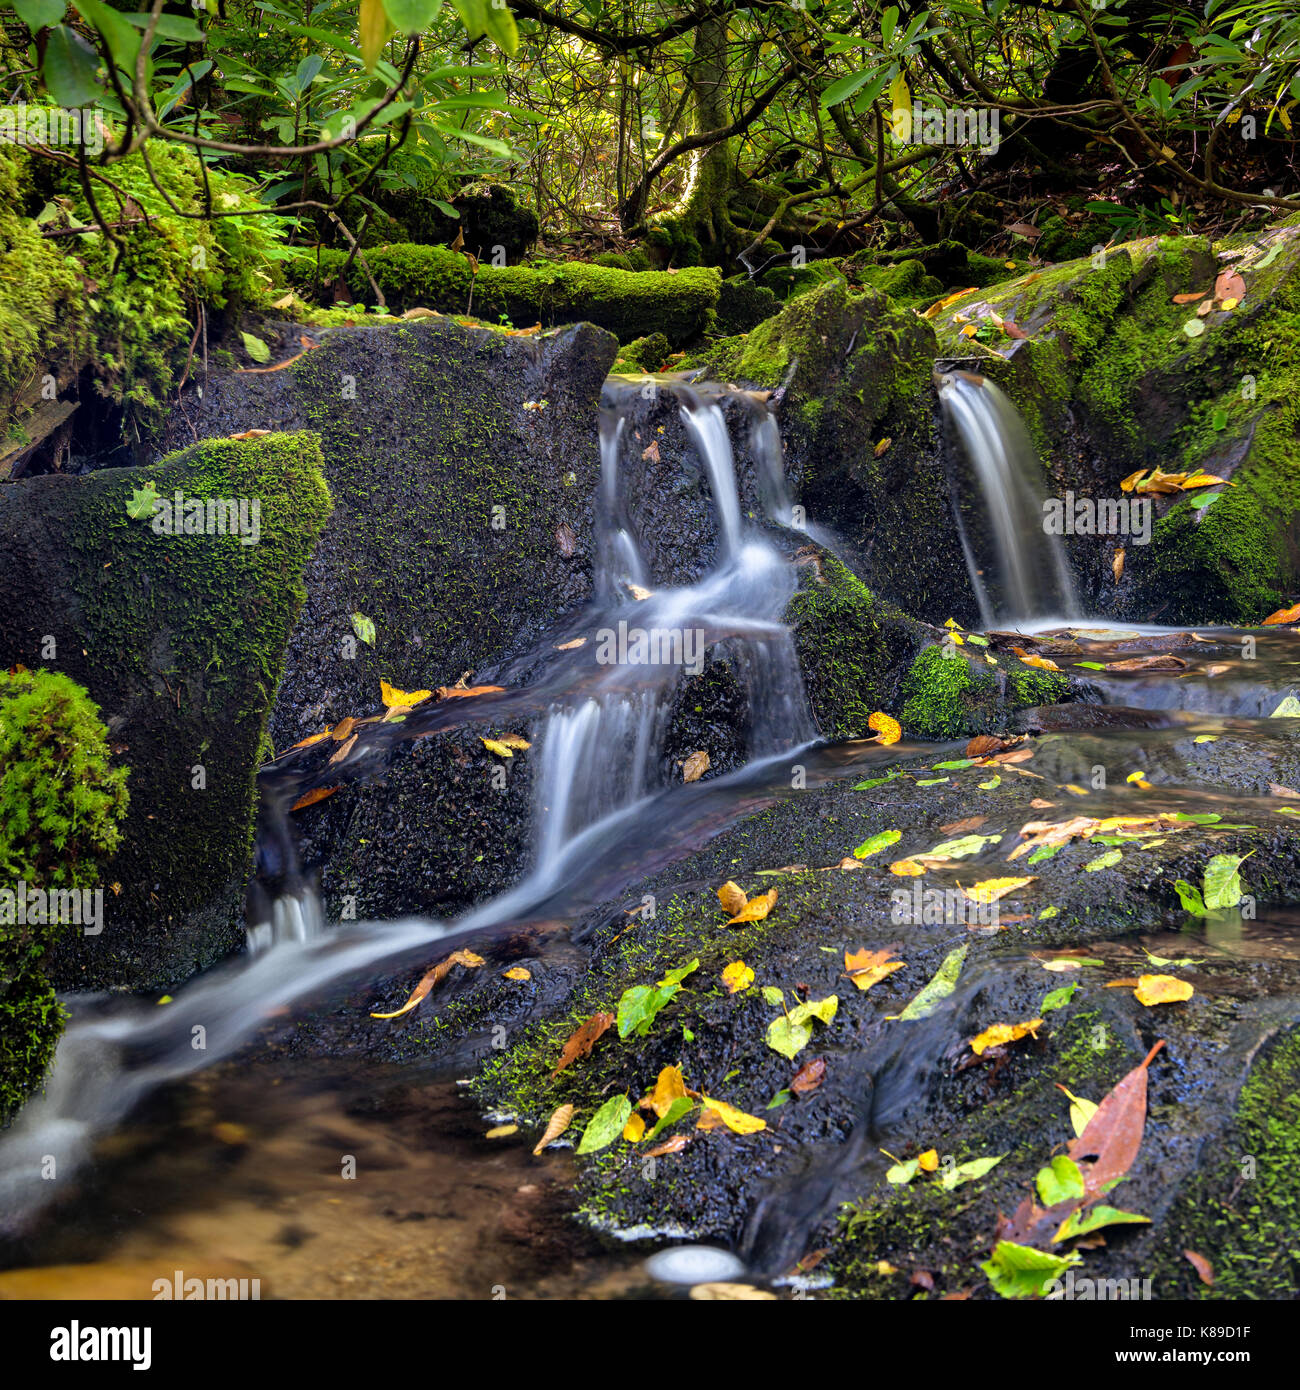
pixel 1033 577
pixel 600 761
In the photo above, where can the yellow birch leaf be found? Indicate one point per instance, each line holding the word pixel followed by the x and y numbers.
pixel 866 968
pixel 401 699
pixel 555 1126
pixel 1004 1033
pixel 494 745
pixel 1161 989
pixel 906 868
pixel 735 1120
pixel 928 1162
pixel 518 973
pixel 669 1086
pixel 991 889
pixel 737 976
pixel 1043 663
pixel 889 729
pixel 756 908
pixel 634 1130
pixel 1129 483
pixel 732 897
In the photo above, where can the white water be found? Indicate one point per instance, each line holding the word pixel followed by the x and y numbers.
pixel 1032 573
pixel 600 757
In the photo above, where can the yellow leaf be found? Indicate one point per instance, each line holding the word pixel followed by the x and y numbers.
pixel 401 699
pixel 900 98
pixel 737 976
pixel 969 331
pixel 735 1120
pixel 374 31
pixel 1117 564
pixel 312 738
pixel 1161 989
pixel 928 1162
pixel 1129 483
pixel 431 978
pixel 555 1126
pixel 937 308
pixel 882 446
pixel 991 889
pixel 1201 480
pixel 906 868
pixel 494 745
pixel 515 741
pixel 1229 303
pixel 634 1130
pixel 756 908
pixel 669 1086
pixel 866 968
pixel 732 897
pixel 1043 663
pixel 889 729
pixel 1004 1033
pixel 518 973
pixel 501 1132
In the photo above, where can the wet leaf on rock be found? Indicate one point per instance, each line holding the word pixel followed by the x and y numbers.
pixel 939 988
pixel 582 1040
pixel 443 968
pixel 695 766
pixel 605 1125
pixel 866 968
pixel 737 976
pixel 560 1120
pixel 717 1113
pixel 1002 1033
pixel 1162 989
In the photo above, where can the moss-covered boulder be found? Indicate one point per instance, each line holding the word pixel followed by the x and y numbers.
pixel 859 419
pixel 1124 369
pixel 61 800
pixel 179 637
pixel 463 464
pixel 630 304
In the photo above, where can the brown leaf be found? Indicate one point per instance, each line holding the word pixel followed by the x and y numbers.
pixel 580 1042
pixel 452 692
pixel 344 749
pixel 1113 1136
pixel 1117 564
pixel 1025 229
pixel 249 434
pixel 1013 329
pixel 555 1126
pixel 960 827
pixel 312 797
pixel 566 540
pixel 1190 298
pixel 732 897
pixel 882 446
pixel 1202 1266
pixel 809 1077
pixel 1163 661
pixel 670 1146
pixel 695 766
pixel 431 978
pixel 343 729
pixel 651 451
pixel 1229 285
pixel 984 744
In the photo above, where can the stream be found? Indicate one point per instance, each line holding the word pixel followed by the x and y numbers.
pixel 225 1157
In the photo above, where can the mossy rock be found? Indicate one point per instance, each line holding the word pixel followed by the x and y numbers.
pixel 463 466
pixel 647 354
pixel 743 305
pixel 180 641
pixel 488 214
pixel 629 304
pixel 788 282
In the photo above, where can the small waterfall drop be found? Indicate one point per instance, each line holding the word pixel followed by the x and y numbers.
pixel 1033 578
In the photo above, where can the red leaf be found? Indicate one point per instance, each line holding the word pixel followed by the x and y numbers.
pixel 1114 1134
pixel 809 1077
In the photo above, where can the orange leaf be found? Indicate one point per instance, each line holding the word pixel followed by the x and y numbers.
pixel 1004 1033
pixel 756 908
pixel 732 897
pixel 906 868
pixel 695 766
pixel 1283 615
pixel 450 692
pixel 311 738
pixel 866 968
pixel 670 1146
pixel 889 729
pixel 580 1042
pixel 928 1162
pixel 555 1126
pixel 431 978
pixel 670 1086
pixel 312 797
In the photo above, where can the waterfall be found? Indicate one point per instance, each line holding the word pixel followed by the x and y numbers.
pixel 600 757
pixel 1033 578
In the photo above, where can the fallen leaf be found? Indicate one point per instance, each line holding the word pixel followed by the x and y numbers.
pixel 717 1113
pixel 1043 663
pixel 249 434
pixel 866 968
pixel 928 1162
pixel 572 646
pixel 889 729
pixel 1113 1135
pixel 992 889
pixel 310 739
pixel 732 897
pixel 984 744
pixel 312 797
pixel 960 827
pixel 737 976
pixel 517 972
pixel 730 1293
pixel 343 729
pixel 1190 298
pixel 401 699
pixel 1129 483
pixel 670 1087
pixel 1202 1266
pixel 344 749
pixel 651 451
pixel 882 446
pixel 942 984
pixel 756 908
pixel 634 1130
pixel 695 766
pixel 1162 989
pixel 580 1042
pixel 1117 564
pixel 935 309
pixel 1283 615
pixel 501 1132
pixel 1161 661
pixel 451 692
pixel 670 1146
pixel 1229 285
pixel 1001 1033
pixel 906 868
pixel 809 1077
pixel 555 1126
pixel 466 958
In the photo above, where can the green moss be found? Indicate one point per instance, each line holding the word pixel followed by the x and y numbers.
pixel 630 304
pixel 850 646
pixel 946 696
pixel 1030 686
pixel 60 804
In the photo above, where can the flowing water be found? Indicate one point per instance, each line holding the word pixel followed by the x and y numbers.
pixel 154 1152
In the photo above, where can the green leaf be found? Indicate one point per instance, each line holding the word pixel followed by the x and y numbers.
pixel 1018 1271
pixel 69 68
pixel 605 1125
pixel 640 1006
pixel 1175 962
pixel 778 1100
pixel 876 843
pixel 681 1106
pixel 955 766
pixel 1060 1181
pixel 364 628
pixel 931 781
pixel 772 995
pixel 170 26
pixel 877 781
pixel 902 1173
pixel 1043 852
pixel 1223 882
pixel 1288 709
pixel 993 782
pixel 977 639
pixel 141 504
pixel 122 39
pixel 822 1009
pixel 844 87
pixel 500 24
pixel 256 348
pixel 960 848
pixel 412 16
pixel 787 1037
pixel 1190 897
pixel 40 14
pixel 1091 665
pixel 1274 253
pixel 968 1172
pixel 939 988
pixel 675 977
pixel 1057 999
pixel 1049 912
pixel 1079 1223
pixel 1105 861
